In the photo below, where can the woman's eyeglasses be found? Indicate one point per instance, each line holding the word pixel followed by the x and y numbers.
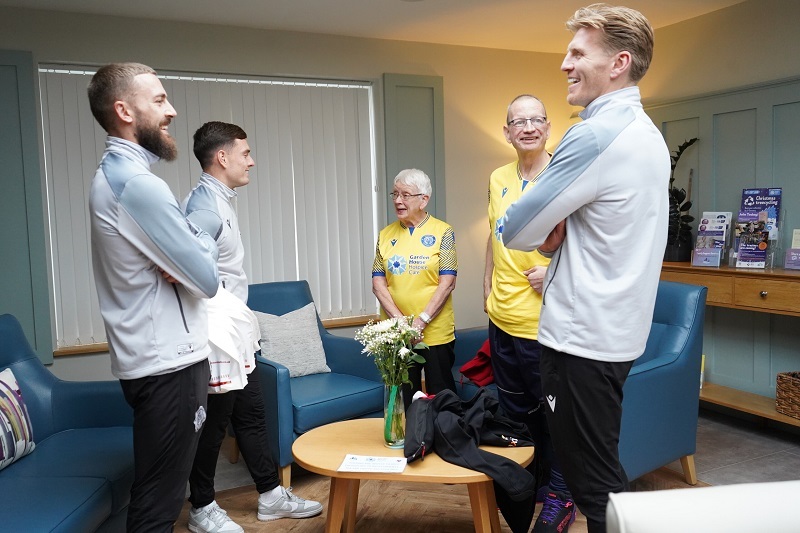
pixel 394 195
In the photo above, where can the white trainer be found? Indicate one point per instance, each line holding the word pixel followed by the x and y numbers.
pixel 287 506
pixel 212 519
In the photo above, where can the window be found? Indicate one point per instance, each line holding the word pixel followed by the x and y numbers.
pixel 308 213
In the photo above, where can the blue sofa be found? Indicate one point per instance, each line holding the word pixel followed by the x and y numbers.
pixel 78 478
pixel 661 394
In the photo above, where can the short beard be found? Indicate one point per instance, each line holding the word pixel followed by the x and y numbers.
pixel 152 139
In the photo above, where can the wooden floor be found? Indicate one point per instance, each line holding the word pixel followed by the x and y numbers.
pixel 387 506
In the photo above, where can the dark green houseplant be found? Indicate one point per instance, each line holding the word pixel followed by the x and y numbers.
pixel 679 232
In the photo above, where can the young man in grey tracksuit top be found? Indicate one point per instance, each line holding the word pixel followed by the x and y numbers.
pixel 153 270
pixel 608 179
pixel 224 155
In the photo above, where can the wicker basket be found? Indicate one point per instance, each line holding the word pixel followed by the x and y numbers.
pixel 787 394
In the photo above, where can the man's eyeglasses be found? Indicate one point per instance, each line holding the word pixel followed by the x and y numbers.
pixel 405 195
pixel 536 122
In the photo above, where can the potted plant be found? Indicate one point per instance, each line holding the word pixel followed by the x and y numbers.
pixel 679 232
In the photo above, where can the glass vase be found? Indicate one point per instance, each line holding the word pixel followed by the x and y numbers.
pixel 394 416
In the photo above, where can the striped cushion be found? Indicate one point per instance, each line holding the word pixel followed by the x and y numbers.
pixel 16 434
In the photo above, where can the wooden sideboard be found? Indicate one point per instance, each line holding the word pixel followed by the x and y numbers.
pixel 774 291
pixel 765 291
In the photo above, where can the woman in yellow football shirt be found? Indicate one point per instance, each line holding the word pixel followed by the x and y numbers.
pixel 414 273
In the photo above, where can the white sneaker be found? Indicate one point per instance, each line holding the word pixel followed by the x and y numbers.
pixel 212 519
pixel 287 506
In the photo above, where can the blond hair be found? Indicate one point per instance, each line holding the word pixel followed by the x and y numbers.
pixel 623 29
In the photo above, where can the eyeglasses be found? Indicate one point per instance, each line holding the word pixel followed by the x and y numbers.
pixel 405 195
pixel 536 122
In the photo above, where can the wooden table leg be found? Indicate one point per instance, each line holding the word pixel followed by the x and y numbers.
pixel 337 501
pixel 484 507
pixel 351 507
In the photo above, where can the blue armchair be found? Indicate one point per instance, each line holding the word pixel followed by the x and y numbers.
pixel 661 394
pixel 353 388
pixel 659 409
pixel 79 476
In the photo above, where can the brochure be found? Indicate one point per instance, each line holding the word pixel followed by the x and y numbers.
pixel 792 261
pixel 716 217
pixel 753 241
pixel 762 205
pixel 371 463
pixel 712 235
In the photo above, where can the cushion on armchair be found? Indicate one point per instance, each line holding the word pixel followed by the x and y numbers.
pixel 325 398
pixel 293 341
pixel 16 433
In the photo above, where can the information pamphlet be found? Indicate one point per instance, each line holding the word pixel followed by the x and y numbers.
pixel 756 225
pixel 711 238
pixel 715 217
pixel 753 242
pixel 792 261
pixel 761 205
pixel 371 463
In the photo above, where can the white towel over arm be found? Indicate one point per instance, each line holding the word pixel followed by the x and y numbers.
pixel 233 334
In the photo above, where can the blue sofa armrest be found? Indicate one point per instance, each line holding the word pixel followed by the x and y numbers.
pixel 277 394
pixel 87 404
pixel 660 404
pixel 676 382
pixel 344 356
pixel 659 420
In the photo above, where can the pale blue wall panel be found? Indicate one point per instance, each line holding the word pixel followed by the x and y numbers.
pixel 748 137
pixel 414 126
pixel 23 285
pixel 786 164
pixel 734 156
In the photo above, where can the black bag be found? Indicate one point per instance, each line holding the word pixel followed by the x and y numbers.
pixel 419 429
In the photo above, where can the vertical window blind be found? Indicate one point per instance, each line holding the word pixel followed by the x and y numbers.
pixel 309 211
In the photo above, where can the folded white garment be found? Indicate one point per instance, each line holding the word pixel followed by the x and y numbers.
pixel 233 334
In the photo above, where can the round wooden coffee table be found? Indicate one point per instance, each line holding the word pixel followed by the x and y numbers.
pixel 323 449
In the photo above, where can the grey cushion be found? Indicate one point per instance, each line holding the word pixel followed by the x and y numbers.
pixel 293 340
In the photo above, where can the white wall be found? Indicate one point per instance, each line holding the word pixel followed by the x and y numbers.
pixel 746 44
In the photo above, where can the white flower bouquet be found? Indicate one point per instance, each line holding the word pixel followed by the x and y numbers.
pixel 391 343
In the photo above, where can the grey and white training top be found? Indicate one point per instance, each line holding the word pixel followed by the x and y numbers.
pixel 210 207
pixel 609 179
pixel 153 326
